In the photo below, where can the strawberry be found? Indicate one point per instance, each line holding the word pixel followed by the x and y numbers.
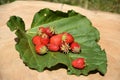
pixel 75 47
pixel 41 49
pixel 44 39
pixel 41 30
pixel 50 31
pixel 56 39
pixel 68 38
pixel 36 40
pixel 78 63
pixel 53 47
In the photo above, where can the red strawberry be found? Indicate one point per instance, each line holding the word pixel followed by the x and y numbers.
pixel 68 38
pixel 36 40
pixel 53 47
pixel 41 30
pixel 49 31
pixel 75 47
pixel 56 39
pixel 44 39
pixel 41 49
pixel 78 63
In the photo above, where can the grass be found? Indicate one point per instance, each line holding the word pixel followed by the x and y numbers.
pixel 5 1
pixel 103 5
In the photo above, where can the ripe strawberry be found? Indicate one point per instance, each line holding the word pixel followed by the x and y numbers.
pixel 41 30
pixel 41 49
pixel 49 31
pixel 44 39
pixel 36 40
pixel 56 39
pixel 68 38
pixel 75 47
pixel 78 63
pixel 53 47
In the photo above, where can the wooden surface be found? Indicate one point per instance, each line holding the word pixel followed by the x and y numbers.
pixel 12 67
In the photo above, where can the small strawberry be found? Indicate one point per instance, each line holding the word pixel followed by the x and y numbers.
pixel 36 40
pixel 50 31
pixel 44 39
pixel 56 39
pixel 41 49
pixel 67 38
pixel 53 47
pixel 78 63
pixel 41 30
pixel 75 47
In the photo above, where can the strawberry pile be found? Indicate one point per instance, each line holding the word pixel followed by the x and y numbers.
pixel 46 40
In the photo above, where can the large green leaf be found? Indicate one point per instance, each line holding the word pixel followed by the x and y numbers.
pixel 76 24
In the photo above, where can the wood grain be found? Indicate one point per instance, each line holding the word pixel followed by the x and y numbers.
pixel 12 67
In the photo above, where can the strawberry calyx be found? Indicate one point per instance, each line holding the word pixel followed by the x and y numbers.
pixel 41 49
pixel 44 35
pixel 75 47
pixel 41 30
pixel 50 31
pixel 65 47
pixel 44 39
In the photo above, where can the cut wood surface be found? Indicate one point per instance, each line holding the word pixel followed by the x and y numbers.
pixel 13 68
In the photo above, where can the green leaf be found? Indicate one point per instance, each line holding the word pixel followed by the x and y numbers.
pixel 16 23
pixel 46 15
pixel 77 25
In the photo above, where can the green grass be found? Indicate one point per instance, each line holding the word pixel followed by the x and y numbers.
pixel 5 1
pixel 103 5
